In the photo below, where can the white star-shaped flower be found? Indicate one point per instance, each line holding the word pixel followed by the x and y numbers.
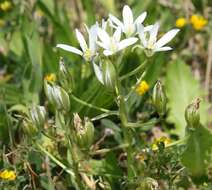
pixel 149 39
pixel 87 51
pixel 113 44
pixel 128 25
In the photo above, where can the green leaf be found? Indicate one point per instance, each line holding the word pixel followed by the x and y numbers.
pixel 199 145
pixel 35 53
pixel 182 88
pixel 16 44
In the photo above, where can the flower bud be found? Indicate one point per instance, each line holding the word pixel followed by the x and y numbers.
pixel 29 128
pixel 84 132
pixel 57 96
pixel 109 75
pixel 192 116
pixel 65 76
pixel 148 184
pixel 159 98
pixel 37 115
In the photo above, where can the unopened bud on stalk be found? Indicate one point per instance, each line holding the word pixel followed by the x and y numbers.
pixel 159 98
pixel 84 132
pixel 109 75
pixel 65 76
pixel 57 96
pixel 37 115
pixel 192 114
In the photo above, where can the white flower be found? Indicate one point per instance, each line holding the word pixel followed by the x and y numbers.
pixel 87 52
pixel 113 44
pixel 149 38
pixel 128 25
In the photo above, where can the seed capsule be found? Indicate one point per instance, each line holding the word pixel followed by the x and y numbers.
pixel 84 132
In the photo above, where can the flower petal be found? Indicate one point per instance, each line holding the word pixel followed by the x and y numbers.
pixel 93 37
pixel 154 33
pixel 103 36
pixel 127 16
pixel 98 73
pixel 148 28
pixel 115 20
pixel 141 18
pixel 127 42
pixel 117 34
pixel 141 34
pixel 166 38
pixel 69 48
pixel 108 52
pixel 166 48
pixel 102 45
pixel 81 40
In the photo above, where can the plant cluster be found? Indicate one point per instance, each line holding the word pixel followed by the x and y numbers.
pixel 121 144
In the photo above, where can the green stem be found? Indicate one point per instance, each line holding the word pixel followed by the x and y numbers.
pixel 134 87
pixel 178 142
pixel 145 126
pixel 55 160
pixel 104 115
pixel 127 136
pixel 76 165
pixel 89 105
pixel 106 150
pixel 133 72
pixel 72 149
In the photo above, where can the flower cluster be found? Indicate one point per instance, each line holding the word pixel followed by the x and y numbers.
pixel 142 88
pixel 115 35
pixel 5 6
pixel 198 22
pixel 8 175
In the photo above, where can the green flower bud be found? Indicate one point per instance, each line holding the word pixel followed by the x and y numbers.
pixel 148 184
pixel 192 115
pixel 159 98
pixel 109 75
pixel 57 96
pixel 29 128
pixel 65 76
pixel 84 132
pixel 37 116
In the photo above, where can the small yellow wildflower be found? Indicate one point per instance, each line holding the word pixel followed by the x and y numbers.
pixel 198 22
pixel 8 175
pixel 180 22
pixel 5 6
pixel 164 140
pixel 142 88
pixel 2 23
pixel 50 77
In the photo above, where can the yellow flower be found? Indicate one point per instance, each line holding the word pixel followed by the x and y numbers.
pixel 164 140
pixel 142 88
pixel 8 175
pixel 198 22
pixel 6 5
pixel 50 77
pixel 2 23
pixel 39 13
pixel 180 22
